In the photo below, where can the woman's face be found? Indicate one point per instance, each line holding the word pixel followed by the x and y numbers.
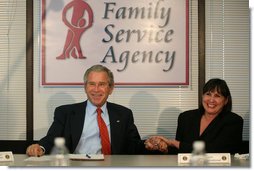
pixel 213 102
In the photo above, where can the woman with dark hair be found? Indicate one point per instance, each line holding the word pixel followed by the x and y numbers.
pixel 213 122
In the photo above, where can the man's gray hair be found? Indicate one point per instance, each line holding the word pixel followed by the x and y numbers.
pixel 100 68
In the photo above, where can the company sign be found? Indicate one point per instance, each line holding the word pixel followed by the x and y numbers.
pixel 143 42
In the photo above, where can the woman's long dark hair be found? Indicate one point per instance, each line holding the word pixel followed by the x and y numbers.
pixel 221 87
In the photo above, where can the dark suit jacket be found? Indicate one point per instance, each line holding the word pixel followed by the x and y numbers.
pixel 224 133
pixel 69 121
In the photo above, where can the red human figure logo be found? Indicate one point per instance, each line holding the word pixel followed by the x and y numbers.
pixel 76 27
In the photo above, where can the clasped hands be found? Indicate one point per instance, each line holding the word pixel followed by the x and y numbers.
pixel 159 143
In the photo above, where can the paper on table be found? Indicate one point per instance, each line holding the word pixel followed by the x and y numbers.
pixel 242 156
pixel 86 157
pixel 42 158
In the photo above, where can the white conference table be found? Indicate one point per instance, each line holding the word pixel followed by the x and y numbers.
pixel 122 161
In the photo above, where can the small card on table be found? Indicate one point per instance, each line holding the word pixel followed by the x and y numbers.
pixel 6 156
pixel 223 158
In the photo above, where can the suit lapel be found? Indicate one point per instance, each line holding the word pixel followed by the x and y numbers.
pixel 77 121
pixel 115 128
pixel 213 127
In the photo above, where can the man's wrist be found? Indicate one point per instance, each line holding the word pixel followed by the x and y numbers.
pixel 43 149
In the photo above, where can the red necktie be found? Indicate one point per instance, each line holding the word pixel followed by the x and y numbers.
pixel 106 149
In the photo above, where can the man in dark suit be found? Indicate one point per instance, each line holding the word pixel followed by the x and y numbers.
pixel 77 123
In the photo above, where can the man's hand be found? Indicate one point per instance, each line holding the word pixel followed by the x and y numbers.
pixel 34 150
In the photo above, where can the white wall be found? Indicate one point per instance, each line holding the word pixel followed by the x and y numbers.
pixel 156 109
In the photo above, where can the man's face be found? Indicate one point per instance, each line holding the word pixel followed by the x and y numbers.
pixel 97 88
